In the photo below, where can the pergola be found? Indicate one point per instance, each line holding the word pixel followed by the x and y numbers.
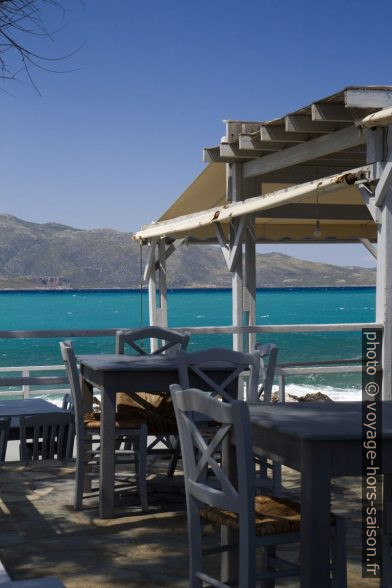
pixel 320 174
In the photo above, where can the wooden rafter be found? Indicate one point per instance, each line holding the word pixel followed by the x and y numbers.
pixel 319 147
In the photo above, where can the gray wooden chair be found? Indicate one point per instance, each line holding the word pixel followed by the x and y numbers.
pixel 156 408
pixel 270 351
pixel 47 436
pixel 261 521
pixel 273 482
pixel 169 341
pixel 4 433
pixel 87 426
pixel 197 369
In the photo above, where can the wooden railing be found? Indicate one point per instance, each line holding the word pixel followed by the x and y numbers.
pixel 26 380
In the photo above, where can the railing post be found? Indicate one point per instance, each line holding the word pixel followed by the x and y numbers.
pixel 282 388
pixel 26 388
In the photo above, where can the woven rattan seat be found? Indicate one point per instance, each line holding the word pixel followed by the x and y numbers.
pixel 92 420
pixel 154 409
pixel 273 516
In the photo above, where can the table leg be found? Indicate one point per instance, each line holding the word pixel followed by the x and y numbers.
pixel 315 509
pixel 229 536
pixel 108 436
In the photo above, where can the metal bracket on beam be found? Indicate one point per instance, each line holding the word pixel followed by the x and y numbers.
pixel 368 198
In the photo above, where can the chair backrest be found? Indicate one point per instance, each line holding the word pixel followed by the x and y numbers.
pixel 4 432
pixel 200 369
pixel 271 351
pixel 47 436
pixel 79 409
pixel 172 341
pixel 67 403
pixel 200 451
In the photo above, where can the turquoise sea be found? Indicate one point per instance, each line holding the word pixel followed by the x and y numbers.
pixel 21 310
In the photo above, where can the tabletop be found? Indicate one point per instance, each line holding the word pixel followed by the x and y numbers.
pixel 317 421
pixel 17 407
pixel 119 362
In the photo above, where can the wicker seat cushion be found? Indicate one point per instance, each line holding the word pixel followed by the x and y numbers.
pixel 92 420
pixel 273 516
pixel 154 409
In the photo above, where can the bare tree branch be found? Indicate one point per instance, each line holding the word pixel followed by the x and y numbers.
pixel 20 22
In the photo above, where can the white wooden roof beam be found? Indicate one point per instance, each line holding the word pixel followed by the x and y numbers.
pixel 253 142
pixel 335 112
pixel 235 127
pixel 365 98
pixel 313 149
pixel 232 150
pixel 302 123
pixel 211 155
pixel 280 134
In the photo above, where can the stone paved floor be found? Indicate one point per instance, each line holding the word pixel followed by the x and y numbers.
pixel 41 534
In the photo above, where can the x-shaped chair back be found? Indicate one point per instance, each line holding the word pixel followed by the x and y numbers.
pixel 200 448
pixel 172 341
pixel 204 366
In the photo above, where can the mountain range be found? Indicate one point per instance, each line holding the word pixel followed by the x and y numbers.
pixel 52 255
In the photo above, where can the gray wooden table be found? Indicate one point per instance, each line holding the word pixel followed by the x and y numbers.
pixel 122 373
pixel 17 407
pixel 320 440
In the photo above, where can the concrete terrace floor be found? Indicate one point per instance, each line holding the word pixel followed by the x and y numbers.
pixel 41 534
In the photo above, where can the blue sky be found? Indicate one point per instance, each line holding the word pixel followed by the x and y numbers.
pixel 112 142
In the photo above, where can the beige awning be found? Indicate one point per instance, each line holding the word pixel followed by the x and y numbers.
pixel 206 191
pixel 321 142
pixel 283 213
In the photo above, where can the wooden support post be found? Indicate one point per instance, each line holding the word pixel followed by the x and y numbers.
pixel 152 289
pixel 162 311
pixel 251 188
pixel 152 292
pixel 384 279
pixel 234 194
pixel 250 281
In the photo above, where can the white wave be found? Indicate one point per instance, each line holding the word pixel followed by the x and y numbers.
pixel 337 394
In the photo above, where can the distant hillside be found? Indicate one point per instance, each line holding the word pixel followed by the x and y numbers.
pixel 57 256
